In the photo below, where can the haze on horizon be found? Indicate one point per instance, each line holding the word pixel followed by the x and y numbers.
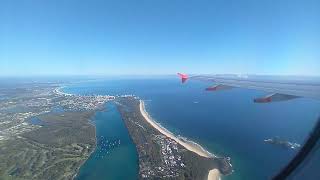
pixel 113 37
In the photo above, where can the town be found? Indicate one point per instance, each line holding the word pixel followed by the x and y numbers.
pixel 39 123
pixel 34 101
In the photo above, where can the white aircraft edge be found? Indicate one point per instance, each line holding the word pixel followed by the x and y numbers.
pixel 279 90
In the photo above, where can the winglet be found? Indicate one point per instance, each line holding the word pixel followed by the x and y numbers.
pixel 274 98
pixel 263 100
pixel 183 77
pixel 218 87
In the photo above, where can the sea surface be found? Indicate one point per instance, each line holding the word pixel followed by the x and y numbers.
pixel 226 123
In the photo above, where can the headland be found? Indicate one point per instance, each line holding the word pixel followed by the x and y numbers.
pixel 163 155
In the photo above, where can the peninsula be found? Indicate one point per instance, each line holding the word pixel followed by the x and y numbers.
pixel 163 155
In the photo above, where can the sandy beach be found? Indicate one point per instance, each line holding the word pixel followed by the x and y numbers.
pixel 214 174
pixel 58 91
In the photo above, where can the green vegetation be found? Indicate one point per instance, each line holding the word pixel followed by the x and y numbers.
pixel 54 151
pixel 57 145
pixel 161 157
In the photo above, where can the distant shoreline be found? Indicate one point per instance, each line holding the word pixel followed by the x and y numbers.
pixel 58 91
pixel 94 148
pixel 214 174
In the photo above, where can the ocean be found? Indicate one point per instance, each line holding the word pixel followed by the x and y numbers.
pixel 226 123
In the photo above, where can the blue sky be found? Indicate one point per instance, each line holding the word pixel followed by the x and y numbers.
pixel 107 37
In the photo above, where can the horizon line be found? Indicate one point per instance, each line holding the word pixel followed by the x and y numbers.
pixel 151 75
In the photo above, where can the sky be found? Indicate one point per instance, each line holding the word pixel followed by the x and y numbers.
pixel 150 37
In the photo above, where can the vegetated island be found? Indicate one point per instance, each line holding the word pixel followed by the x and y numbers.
pixel 162 155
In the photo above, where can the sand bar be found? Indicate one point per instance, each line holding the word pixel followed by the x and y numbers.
pixel 214 174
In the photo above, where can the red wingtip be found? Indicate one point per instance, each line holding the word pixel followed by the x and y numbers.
pixel 183 77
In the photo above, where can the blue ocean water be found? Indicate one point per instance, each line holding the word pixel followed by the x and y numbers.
pixel 227 123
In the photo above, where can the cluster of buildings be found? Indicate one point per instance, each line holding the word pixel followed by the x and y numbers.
pixel 171 159
pixel 16 130
pixel 84 102
pixel 16 112
pixel 15 124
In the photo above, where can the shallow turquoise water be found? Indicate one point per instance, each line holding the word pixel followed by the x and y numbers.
pixel 115 156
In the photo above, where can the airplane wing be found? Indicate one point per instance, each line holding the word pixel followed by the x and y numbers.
pixel 279 89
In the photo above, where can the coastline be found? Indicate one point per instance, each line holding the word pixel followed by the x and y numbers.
pixel 93 149
pixel 213 174
pixel 59 92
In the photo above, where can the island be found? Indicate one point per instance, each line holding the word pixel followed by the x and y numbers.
pixel 162 155
pixel 282 143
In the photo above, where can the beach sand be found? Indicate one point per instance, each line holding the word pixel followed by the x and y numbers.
pixel 214 174
pixel 60 92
